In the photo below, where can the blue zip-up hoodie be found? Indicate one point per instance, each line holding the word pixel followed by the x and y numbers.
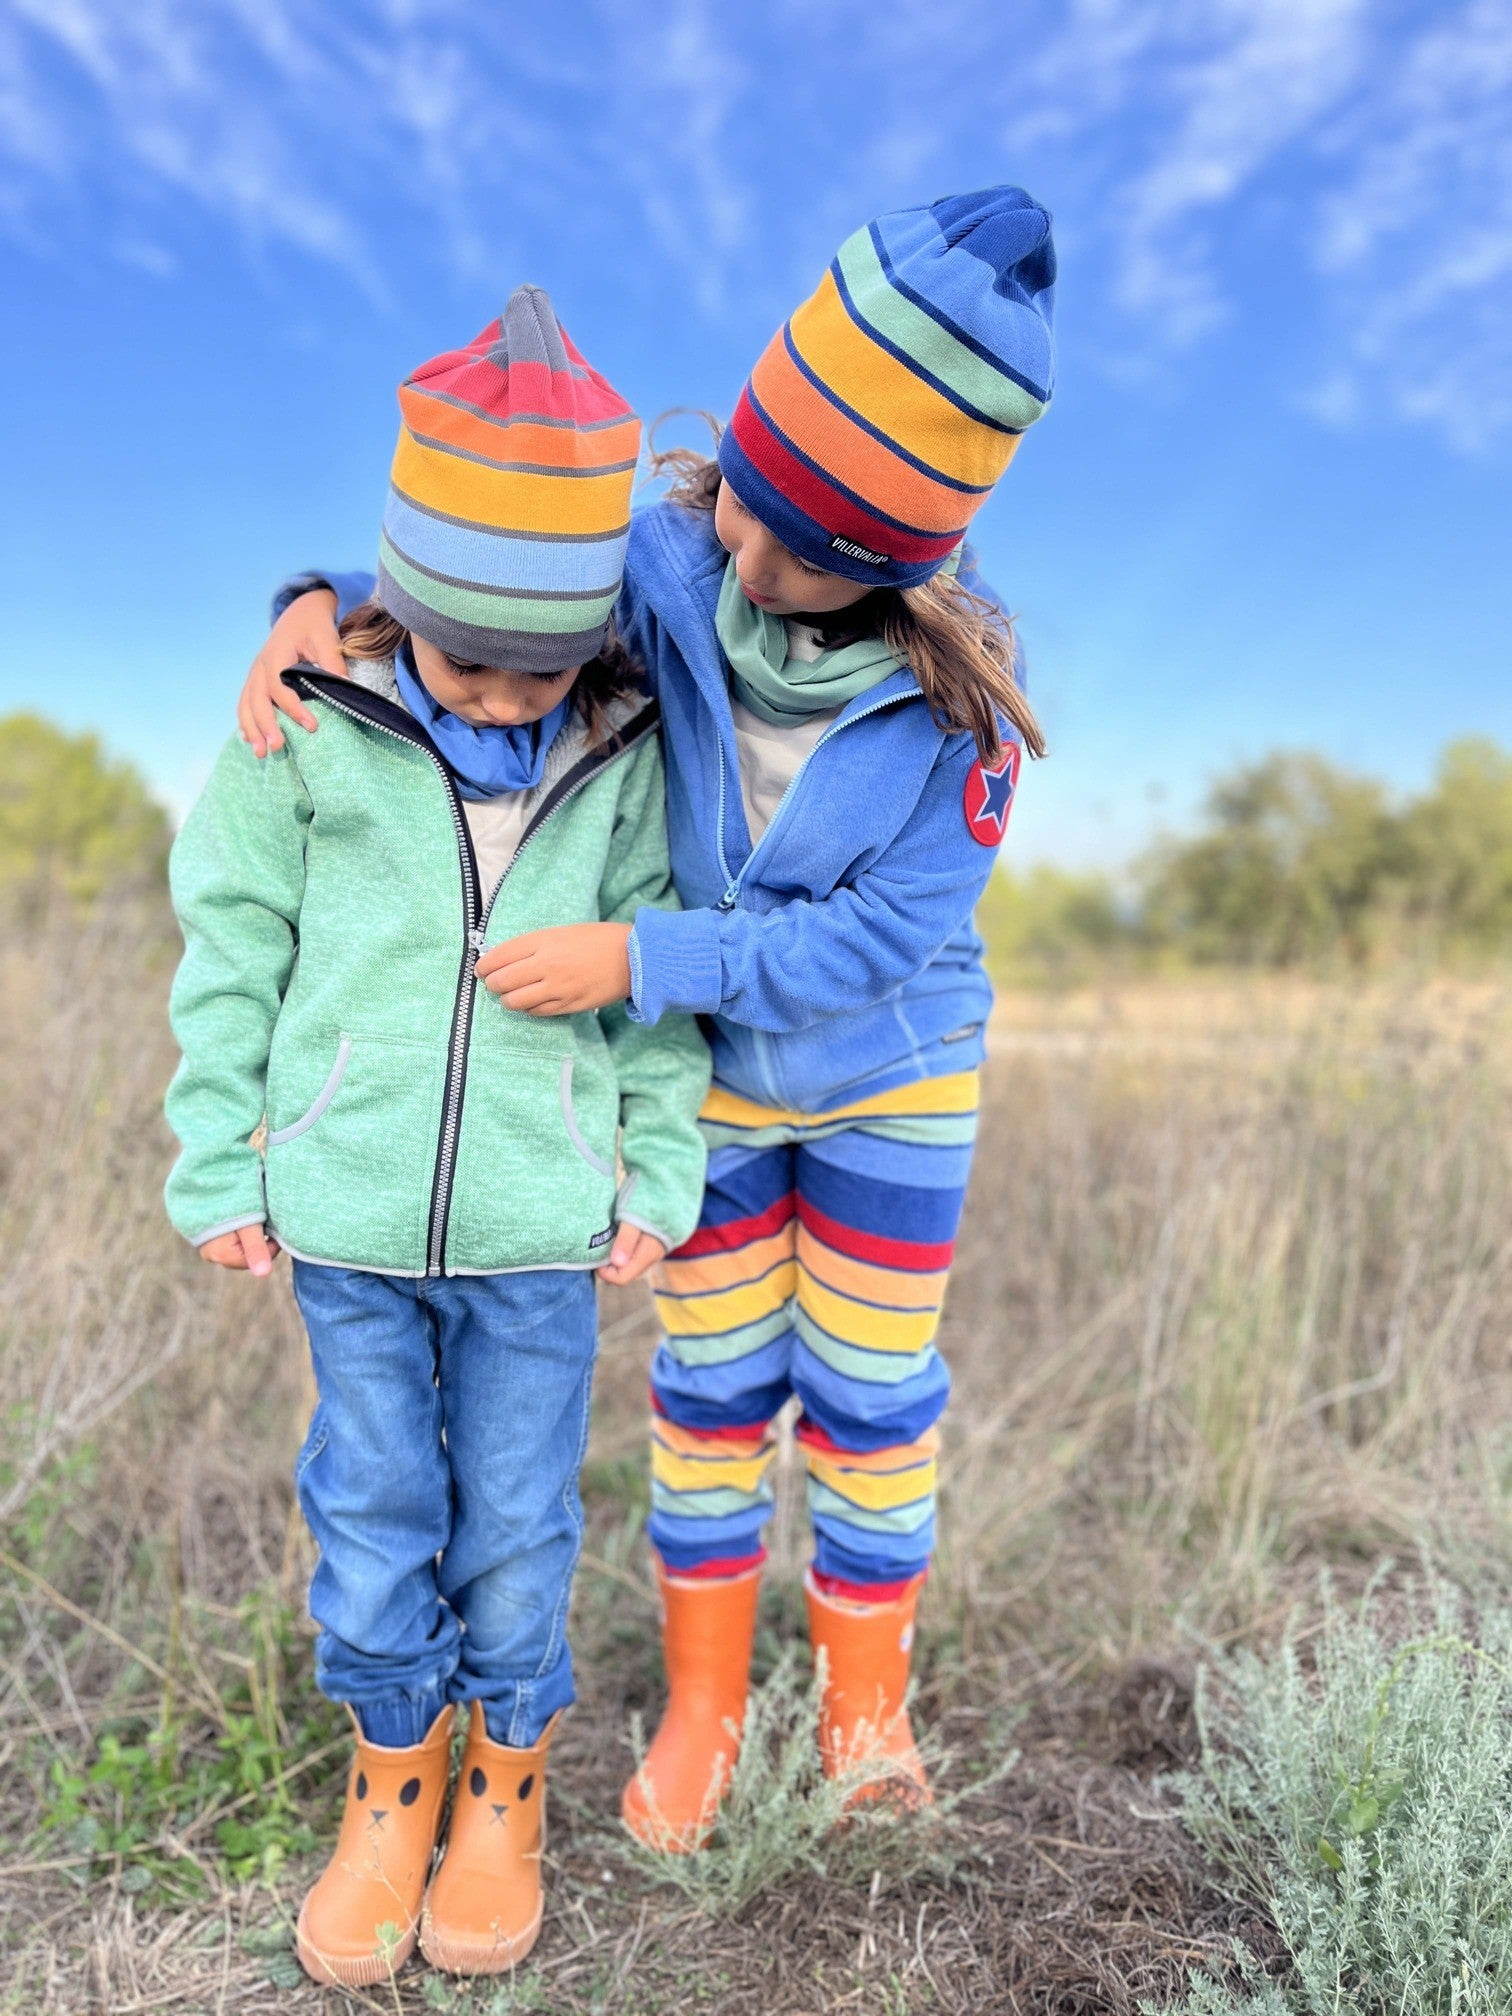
pixel 837 958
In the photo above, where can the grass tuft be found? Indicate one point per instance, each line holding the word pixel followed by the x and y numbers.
pixel 782 1819
pixel 1359 1783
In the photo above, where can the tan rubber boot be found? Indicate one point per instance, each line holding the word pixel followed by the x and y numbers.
pixel 483 1909
pixel 359 1923
pixel 708 1628
pixel 864 1731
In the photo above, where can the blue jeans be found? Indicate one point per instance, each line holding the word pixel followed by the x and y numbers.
pixel 440 1480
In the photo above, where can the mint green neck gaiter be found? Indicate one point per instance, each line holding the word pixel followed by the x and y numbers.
pixel 784 690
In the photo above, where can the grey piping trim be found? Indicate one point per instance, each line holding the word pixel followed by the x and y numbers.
pixel 641 1225
pixel 227 1225
pixel 519 468
pixel 624 1193
pixel 424 1273
pixel 553 1267
pixel 569 1120
pixel 323 1098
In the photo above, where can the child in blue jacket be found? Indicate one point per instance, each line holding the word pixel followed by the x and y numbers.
pixel 843 724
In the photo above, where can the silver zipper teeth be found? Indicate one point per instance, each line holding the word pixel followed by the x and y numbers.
pixel 565 799
pixel 727 901
pixel 451 1121
pixel 461 1006
pixel 452 1124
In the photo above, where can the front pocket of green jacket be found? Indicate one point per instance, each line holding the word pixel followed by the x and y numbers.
pixel 604 1164
pixel 349 1171
pixel 534 1181
pixel 322 1099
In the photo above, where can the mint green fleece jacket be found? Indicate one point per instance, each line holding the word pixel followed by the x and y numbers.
pixel 345 1080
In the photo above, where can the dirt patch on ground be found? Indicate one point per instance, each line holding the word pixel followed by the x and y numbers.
pixel 1073 1890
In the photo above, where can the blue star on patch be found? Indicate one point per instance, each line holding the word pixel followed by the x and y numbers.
pixel 989 796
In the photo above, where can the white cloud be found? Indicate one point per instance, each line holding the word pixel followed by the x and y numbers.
pixel 1187 128
pixel 1185 142
pixel 677 82
pixel 1416 236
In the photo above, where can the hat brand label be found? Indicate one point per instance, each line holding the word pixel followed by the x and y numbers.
pixel 840 544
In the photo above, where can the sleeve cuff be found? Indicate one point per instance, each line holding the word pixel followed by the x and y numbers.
pixel 676 965
pixel 660 1215
pixel 198 1239
pixel 349 590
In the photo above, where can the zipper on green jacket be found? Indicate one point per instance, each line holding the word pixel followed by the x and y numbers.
pixel 474 918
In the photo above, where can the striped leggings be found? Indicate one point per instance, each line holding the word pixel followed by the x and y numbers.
pixel 817 1269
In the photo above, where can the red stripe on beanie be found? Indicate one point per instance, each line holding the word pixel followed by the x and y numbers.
pixel 830 509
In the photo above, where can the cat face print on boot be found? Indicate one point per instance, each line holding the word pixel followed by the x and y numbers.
pixel 360 1922
pixel 484 1906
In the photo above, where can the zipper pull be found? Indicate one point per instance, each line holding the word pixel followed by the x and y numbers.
pixel 727 901
pixel 475 944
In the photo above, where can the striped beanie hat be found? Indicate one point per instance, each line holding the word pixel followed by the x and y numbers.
pixel 509 502
pixel 882 413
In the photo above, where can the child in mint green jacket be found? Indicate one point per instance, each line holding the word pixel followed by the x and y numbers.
pixel 442 1169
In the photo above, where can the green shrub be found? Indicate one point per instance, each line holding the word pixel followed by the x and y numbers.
pixel 1293 862
pixel 1361 1787
pixel 781 1818
pixel 73 822
pixel 1053 924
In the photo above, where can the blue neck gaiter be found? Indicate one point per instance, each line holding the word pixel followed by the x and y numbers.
pixel 484 762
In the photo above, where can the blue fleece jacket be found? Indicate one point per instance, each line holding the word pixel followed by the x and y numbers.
pixel 837 958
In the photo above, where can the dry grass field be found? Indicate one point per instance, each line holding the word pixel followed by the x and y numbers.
pixel 1233 1306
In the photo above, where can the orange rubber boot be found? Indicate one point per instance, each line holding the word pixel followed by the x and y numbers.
pixel 864 1730
pixel 707 1632
pixel 359 1923
pixel 483 1908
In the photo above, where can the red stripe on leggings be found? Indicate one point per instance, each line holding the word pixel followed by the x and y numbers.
pixel 911 1255
pixel 739 1564
pixel 863 1592
pixel 738 1232
pixel 746 1432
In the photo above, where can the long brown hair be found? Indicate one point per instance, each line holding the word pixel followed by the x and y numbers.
pixel 958 645
pixel 369 632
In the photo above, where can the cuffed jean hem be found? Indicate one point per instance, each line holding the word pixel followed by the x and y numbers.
pixel 521 1719
pixel 399 1721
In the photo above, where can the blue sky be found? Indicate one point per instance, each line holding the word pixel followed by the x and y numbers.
pixel 1264 509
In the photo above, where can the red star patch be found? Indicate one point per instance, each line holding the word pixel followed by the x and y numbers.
pixel 989 796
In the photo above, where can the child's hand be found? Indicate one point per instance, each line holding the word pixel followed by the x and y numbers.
pixel 248 1251
pixel 634 1253
pixel 306 630
pixel 562 971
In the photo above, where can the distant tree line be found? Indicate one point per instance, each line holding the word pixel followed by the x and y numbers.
pixel 73 821
pixel 1295 863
